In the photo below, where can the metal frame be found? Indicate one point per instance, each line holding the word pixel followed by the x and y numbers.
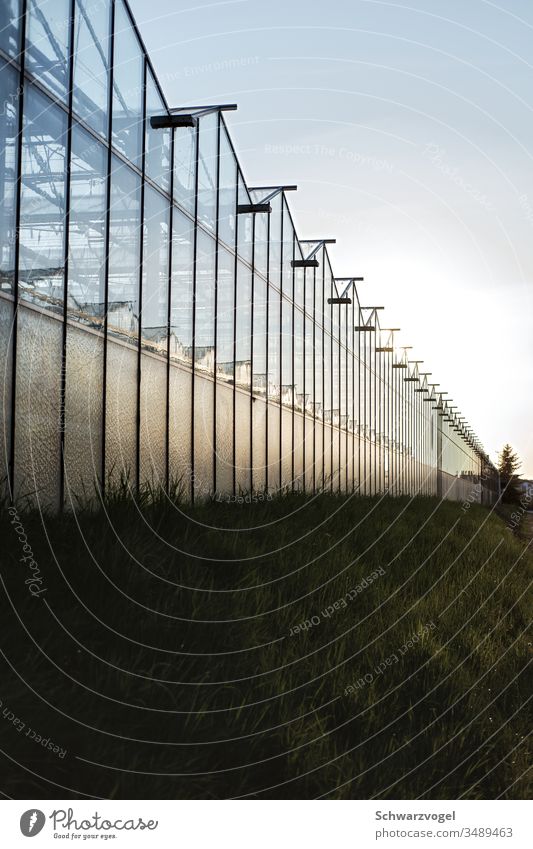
pixel 379 408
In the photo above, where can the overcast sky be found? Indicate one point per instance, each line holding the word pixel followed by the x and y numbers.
pixel 408 129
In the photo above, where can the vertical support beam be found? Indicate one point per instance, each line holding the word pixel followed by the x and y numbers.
pixel 194 282
pixel 215 330
pixel 252 310
pixel 66 244
pixel 169 313
pixel 331 379
pixel 323 351
pixel 314 381
pixel 16 290
pixel 293 370
pixel 267 358
pixel 281 342
pixel 140 289
pixel 352 333
pixel 347 411
pixel 107 243
pixel 304 375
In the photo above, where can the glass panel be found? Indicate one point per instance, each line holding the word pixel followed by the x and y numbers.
pixel 274 379
pixel 225 313
pixel 243 431
pixel 299 397
pixel 6 365
pixel 319 343
pixel 203 423
pixel 288 252
pixel 86 270
pixel 261 243
pixel 127 88
pixel 259 438
pixel 286 447
pixel 47 39
pixel 309 373
pixel 37 436
pixel 182 288
pixel 124 244
pixel 299 274
pixel 155 272
pixel 336 370
pixel 91 62
pixel 227 190
pixel 287 387
pixel 224 438
pixel 42 217
pixel 10 26
pixel 185 167
pixel 157 155
pixel 8 160
pixel 207 171
pixel 121 414
pixel 180 429
pixel 274 271
pixel 204 340
pixel 153 415
pixel 327 378
pixel 245 225
pixel 274 468
pixel 83 412
pixel 243 316
pixel 259 336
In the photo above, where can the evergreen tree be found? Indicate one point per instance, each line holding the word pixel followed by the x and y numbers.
pixel 508 465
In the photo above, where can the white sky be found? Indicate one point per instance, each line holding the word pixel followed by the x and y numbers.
pixel 408 129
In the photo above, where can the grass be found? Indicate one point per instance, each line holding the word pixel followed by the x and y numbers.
pixel 165 657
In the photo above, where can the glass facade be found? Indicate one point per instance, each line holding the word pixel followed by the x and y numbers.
pixel 156 326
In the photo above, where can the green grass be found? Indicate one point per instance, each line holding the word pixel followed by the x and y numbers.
pixel 161 651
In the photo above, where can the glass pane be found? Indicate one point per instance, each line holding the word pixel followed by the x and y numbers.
pixel 309 374
pixel 299 274
pixel 336 373
pixel 243 316
pixel 245 225
pixel 10 26
pixel 274 378
pixel 227 190
pixel 287 388
pixel 327 378
pixel 91 62
pixel 274 271
pixel 207 171
pixel 37 399
pixel 225 313
pixel 182 288
pixel 48 25
pixel 157 158
pixel 261 243
pixel 184 167
pixel 288 252
pixel 83 412
pixel 86 287
pixel 127 88
pixel 124 245
pixel 8 159
pixel 155 271
pixel 299 399
pixel 42 217
pixel 205 304
pixel 259 336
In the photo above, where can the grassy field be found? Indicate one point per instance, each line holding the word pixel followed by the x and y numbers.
pixel 292 648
